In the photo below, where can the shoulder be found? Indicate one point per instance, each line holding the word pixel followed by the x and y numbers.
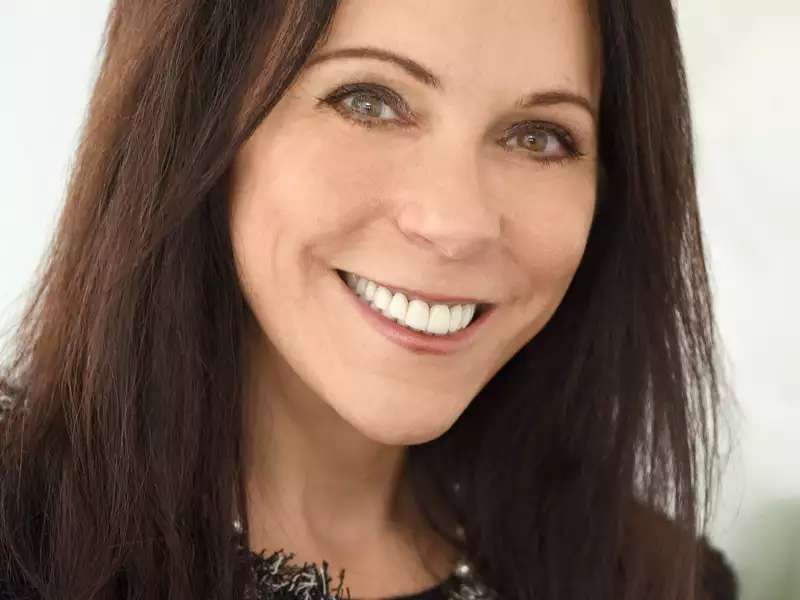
pixel 718 577
pixel 654 543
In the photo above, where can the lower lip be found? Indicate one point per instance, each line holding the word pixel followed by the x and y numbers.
pixel 414 340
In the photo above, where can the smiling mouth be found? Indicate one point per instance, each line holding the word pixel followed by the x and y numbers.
pixel 413 312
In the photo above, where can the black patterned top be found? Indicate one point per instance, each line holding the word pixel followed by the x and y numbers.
pixel 276 577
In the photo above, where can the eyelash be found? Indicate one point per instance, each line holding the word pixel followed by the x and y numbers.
pixel 398 105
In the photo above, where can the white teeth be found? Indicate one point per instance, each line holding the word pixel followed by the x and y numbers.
pixel 417 315
pixel 466 314
pixel 382 298
pixel 369 291
pixel 437 319
pixel 398 307
pixel 455 318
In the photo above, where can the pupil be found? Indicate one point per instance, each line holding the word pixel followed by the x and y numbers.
pixel 536 140
pixel 369 105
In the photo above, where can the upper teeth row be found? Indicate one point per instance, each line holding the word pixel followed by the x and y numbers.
pixel 438 319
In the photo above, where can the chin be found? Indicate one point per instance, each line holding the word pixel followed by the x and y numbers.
pixel 403 427
pixel 403 437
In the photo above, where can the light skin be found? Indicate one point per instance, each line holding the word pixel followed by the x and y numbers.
pixel 442 197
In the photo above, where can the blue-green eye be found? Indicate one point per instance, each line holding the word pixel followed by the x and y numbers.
pixel 374 105
pixel 368 105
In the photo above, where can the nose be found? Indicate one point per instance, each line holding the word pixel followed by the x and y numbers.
pixel 448 211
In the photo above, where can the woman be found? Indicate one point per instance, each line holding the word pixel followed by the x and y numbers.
pixel 410 290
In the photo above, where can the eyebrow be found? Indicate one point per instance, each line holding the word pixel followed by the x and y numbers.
pixel 423 75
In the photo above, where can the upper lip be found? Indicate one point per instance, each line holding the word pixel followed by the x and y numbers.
pixel 423 295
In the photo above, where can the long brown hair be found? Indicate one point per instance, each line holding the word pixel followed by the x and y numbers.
pixel 120 458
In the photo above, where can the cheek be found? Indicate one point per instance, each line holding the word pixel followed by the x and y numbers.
pixel 299 200
pixel 306 183
pixel 548 236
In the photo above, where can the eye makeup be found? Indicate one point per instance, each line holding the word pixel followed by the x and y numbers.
pixel 377 94
pixel 371 90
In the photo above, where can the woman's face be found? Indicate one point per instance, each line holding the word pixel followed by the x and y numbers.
pixel 431 177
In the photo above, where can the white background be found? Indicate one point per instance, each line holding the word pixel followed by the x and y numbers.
pixel 743 61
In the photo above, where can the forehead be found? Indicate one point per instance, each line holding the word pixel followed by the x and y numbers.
pixel 497 47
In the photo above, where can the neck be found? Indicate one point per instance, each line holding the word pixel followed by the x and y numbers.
pixel 309 473
pixel 318 488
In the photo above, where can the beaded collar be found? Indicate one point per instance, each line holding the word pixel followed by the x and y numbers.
pixel 276 577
